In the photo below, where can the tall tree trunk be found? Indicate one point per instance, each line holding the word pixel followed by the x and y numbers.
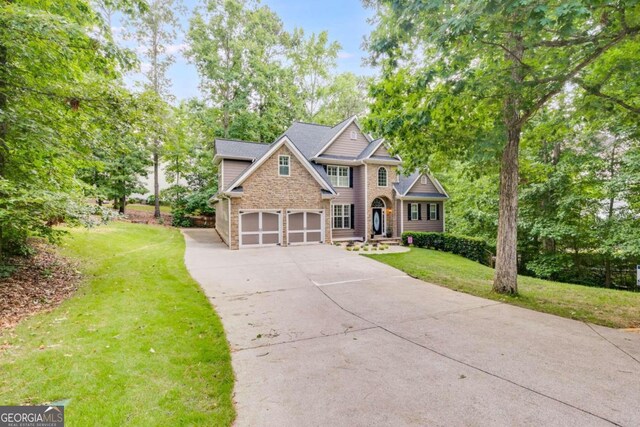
pixel 506 274
pixel 156 182
pixel 123 202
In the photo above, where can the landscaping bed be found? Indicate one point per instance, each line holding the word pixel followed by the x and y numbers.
pixel 34 284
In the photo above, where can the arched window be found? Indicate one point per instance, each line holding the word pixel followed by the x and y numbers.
pixel 382 177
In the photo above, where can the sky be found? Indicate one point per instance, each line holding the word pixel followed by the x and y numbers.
pixel 345 21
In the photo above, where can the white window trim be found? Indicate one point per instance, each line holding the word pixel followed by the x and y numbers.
pixel 337 176
pixel 414 211
pixel 386 177
pixel 433 211
pixel 280 157
pixel 344 208
pixel 354 135
pixel 423 180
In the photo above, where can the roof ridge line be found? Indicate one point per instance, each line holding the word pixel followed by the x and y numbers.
pixel 312 124
pixel 240 140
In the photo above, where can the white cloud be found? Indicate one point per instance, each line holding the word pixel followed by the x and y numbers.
pixel 175 48
pixel 344 55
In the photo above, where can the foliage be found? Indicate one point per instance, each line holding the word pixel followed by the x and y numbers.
pixel 469 247
pixel 59 82
pixel 468 78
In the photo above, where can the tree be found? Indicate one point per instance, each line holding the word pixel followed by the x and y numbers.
pixel 345 96
pixel 57 80
pixel 465 76
pixel 240 51
pixel 313 59
pixel 154 30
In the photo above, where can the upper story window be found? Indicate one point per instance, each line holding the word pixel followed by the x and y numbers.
pixel 284 166
pixel 338 175
pixel 382 177
pixel 423 180
pixel 433 211
pixel 354 135
pixel 414 211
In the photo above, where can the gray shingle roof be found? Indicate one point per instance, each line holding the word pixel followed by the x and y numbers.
pixel 369 149
pixel 405 182
pixel 434 195
pixel 240 149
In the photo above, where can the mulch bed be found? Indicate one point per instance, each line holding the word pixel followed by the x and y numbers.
pixel 39 283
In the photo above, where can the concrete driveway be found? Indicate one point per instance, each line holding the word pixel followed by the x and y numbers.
pixel 321 336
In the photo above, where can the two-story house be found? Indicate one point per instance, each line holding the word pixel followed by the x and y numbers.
pixel 320 184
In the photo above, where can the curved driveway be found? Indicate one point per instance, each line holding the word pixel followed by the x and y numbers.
pixel 322 336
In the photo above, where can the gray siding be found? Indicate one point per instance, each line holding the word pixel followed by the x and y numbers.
pixel 345 146
pixel 382 151
pixel 419 187
pixel 222 219
pixel 424 224
pixel 353 196
pixel 231 169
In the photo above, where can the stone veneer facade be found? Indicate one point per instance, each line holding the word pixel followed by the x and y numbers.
pixel 264 188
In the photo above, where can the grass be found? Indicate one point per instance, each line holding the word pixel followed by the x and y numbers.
pixel 138 344
pixel 608 307
pixel 147 208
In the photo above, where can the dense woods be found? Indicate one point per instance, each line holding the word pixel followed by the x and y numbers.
pixel 527 111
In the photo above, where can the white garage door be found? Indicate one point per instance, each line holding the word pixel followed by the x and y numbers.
pixel 305 227
pixel 260 228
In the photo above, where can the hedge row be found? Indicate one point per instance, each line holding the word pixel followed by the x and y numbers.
pixel 468 247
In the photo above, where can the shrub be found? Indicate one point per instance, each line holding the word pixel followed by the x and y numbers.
pixel 468 247
pixel 356 248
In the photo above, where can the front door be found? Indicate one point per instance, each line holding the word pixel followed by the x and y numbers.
pixel 377 220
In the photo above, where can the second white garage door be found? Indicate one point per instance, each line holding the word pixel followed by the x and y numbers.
pixel 305 227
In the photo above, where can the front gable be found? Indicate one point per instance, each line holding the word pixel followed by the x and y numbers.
pixel 425 184
pixel 382 151
pixel 266 167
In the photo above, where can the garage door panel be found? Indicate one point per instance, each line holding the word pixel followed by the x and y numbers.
pixel 296 237
pixel 314 221
pixel 270 238
pixel 270 221
pixel 296 221
pixel 251 239
pixel 250 221
pixel 314 236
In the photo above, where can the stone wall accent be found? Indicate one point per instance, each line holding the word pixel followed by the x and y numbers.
pixel 385 193
pixel 265 189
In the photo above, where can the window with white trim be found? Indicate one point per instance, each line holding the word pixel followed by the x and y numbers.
pixel 284 167
pixel 414 211
pixel 382 177
pixel 433 211
pixel 354 135
pixel 338 175
pixel 341 216
pixel 423 180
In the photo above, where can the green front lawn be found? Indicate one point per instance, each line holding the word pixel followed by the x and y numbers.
pixel 138 344
pixel 147 208
pixel 620 309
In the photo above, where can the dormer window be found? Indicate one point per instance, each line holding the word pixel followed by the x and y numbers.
pixel 423 180
pixel 354 135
